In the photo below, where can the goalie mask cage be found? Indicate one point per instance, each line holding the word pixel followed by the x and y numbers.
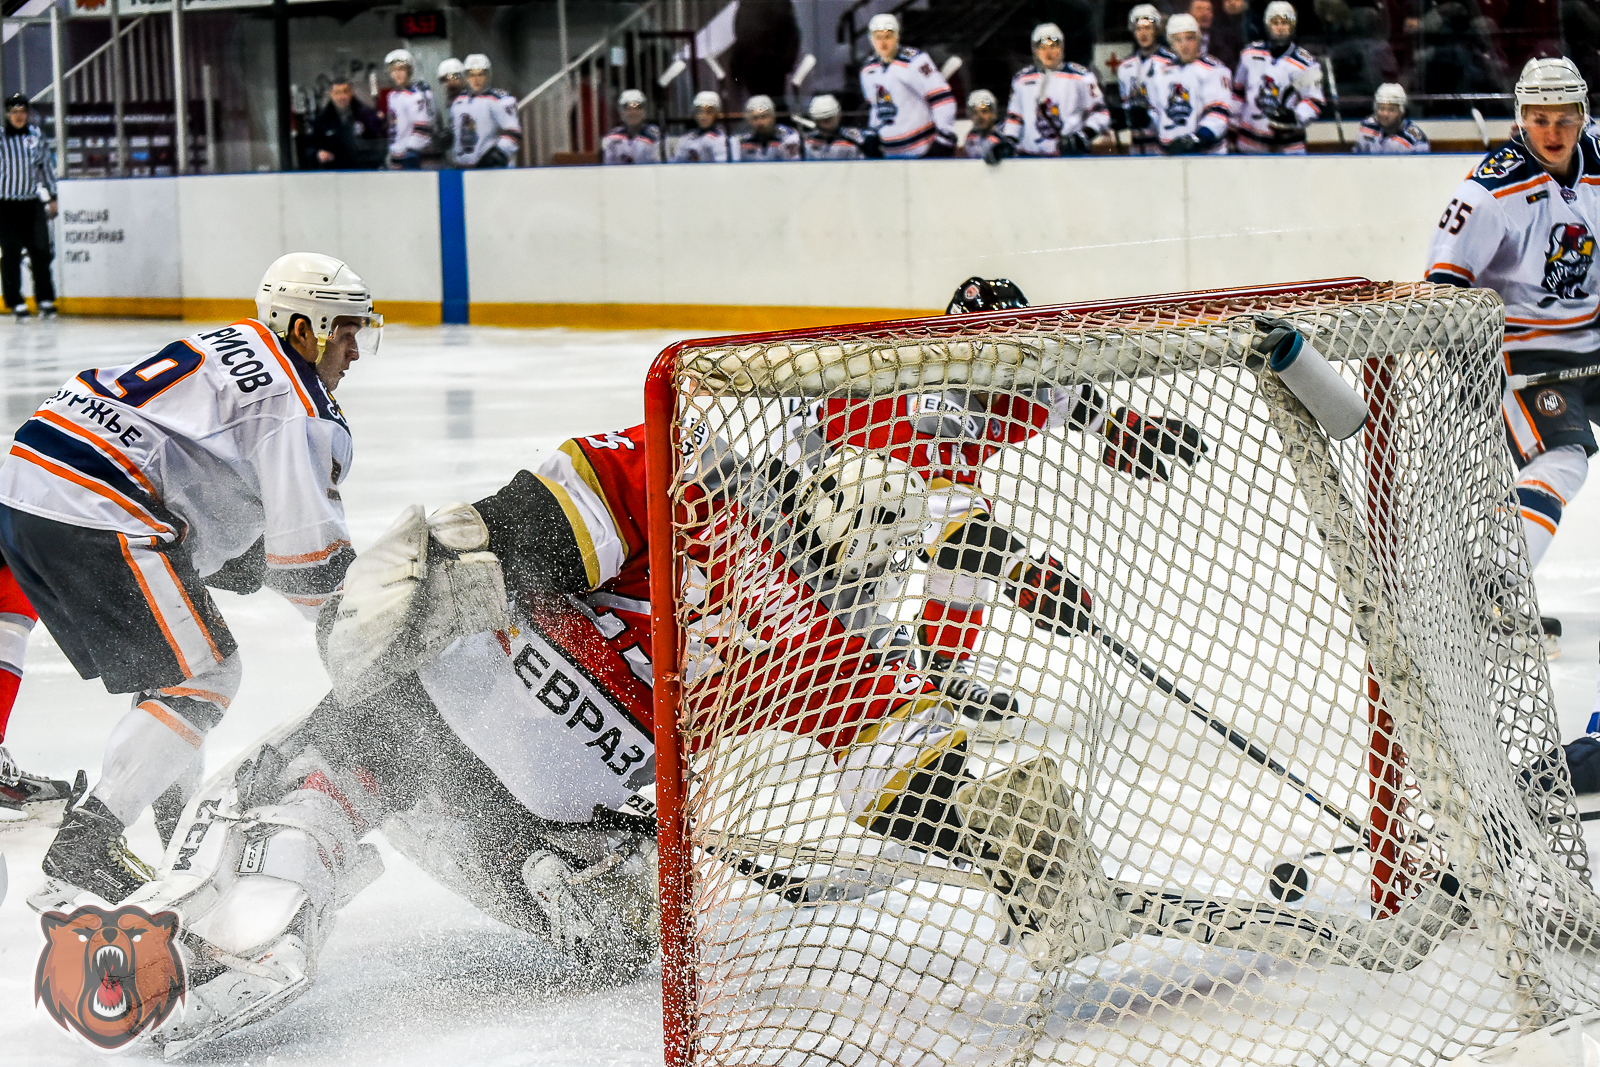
pixel 1349 609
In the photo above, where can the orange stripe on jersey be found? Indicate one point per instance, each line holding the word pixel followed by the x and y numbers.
pixel 311 557
pixel 1574 321
pixel 200 694
pixel 155 609
pixel 1538 520
pixel 1454 268
pixel 1528 335
pixel 23 452
pixel 171 722
pixel 205 630
pixel 1512 190
pixel 1532 426
pixel 1542 487
pixel 111 452
pixel 283 361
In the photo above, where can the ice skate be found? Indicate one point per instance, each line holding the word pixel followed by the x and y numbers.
pixel 89 857
pixel 991 712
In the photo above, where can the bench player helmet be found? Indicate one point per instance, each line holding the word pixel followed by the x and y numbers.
pixel 985 294
pixel 824 107
pixel 1551 81
pixel 451 68
pixel 1280 9
pixel 400 55
pixel 708 98
pixel 862 512
pixel 1182 23
pixel 1390 93
pixel 884 21
pixel 477 61
pixel 1144 13
pixel 321 290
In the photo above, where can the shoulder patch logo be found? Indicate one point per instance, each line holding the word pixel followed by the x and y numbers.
pixel 1550 403
pixel 1567 259
pixel 109 976
pixel 1500 164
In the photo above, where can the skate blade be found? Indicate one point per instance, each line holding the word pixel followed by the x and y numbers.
pixel 181 1044
pixel 44 813
pixel 993 731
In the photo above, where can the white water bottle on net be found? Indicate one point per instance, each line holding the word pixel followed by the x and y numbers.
pixel 1146 682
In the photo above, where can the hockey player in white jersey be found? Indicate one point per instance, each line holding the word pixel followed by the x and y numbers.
pixel 708 141
pixel 1192 95
pixel 1278 87
pixel 913 110
pixel 214 461
pixel 831 139
pixel 767 140
pixel 1387 131
pixel 1135 76
pixel 635 141
pixel 487 130
pixel 983 138
pixel 1524 223
pixel 412 114
pixel 1056 108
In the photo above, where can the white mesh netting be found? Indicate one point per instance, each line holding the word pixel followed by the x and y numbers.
pixel 1283 594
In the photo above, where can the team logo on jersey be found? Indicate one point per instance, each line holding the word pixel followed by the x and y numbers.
pixel 1500 164
pixel 1049 121
pixel 1567 260
pixel 109 976
pixel 1550 403
pixel 883 105
pixel 1270 98
pixel 469 134
pixel 1180 106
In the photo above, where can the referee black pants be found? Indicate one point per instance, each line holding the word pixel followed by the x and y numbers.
pixel 24 227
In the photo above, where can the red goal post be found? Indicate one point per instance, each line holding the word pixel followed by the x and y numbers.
pixel 1397 856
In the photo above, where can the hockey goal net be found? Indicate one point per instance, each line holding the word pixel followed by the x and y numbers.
pixel 1303 743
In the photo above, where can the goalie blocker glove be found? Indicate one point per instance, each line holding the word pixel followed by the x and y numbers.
pixel 1135 443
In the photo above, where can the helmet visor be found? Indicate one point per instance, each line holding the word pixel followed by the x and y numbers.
pixel 365 330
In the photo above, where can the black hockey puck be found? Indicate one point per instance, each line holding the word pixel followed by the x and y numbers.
pixel 1289 881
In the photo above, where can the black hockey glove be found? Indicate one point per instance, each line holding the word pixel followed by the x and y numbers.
pixel 1075 144
pixel 980 546
pixel 1281 119
pixel 1134 444
pixel 871 144
pixel 494 158
pixel 943 146
pixel 998 150
pixel 1137 116
pixel 1052 594
pixel 1188 144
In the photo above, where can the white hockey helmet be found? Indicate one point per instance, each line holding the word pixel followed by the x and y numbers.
pixel 884 21
pixel 863 512
pixel 322 290
pixel 982 98
pixel 1144 13
pixel 400 55
pixel 451 68
pixel 708 98
pixel 1182 23
pixel 477 61
pixel 1047 31
pixel 630 98
pixel 1553 81
pixel 824 106
pixel 1280 9
pixel 1390 93
pixel 759 104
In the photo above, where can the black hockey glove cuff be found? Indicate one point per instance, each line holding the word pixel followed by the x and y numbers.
pixel 1135 444
pixel 1182 146
pixel 1137 117
pixel 1000 149
pixel 871 145
pixel 980 546
pixel 1075 144
pixel 1045 589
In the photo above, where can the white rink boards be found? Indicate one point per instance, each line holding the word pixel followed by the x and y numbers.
pixel 414 976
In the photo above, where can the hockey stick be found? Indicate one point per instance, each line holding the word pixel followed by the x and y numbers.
pixel 1333 97
pixel 1518 382
pixel 1483 127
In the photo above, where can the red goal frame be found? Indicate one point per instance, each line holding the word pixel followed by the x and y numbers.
pixel 678 963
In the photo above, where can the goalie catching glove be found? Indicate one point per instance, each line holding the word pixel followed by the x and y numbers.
pixel 422 584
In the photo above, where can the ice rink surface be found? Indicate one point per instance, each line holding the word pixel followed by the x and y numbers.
pixel 414 974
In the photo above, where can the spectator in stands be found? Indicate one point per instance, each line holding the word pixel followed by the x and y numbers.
pixel 830 138
pixel 635 141
pixel 1056 108
pixel 983 139
pixel 1454 56
pixel 1360 53
pixel 1232 30
pixel 487 130
pixel 1278 88
pixel 1135 75
pixel 767 141
pixel 913 110
pixel 1205 15
pixel 708 142
pixel 411 113
pixel 1388 131
pixel 348 135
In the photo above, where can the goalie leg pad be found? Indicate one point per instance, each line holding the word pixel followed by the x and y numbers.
pixel 1024 834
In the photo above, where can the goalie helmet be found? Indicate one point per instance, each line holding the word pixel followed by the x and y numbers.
pixel 1144 13
pixel 1552 82
pixel 985 294
pixel 320 289
pixel 862 513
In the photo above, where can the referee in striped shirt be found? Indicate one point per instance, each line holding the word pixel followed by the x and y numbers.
pixel 25 168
